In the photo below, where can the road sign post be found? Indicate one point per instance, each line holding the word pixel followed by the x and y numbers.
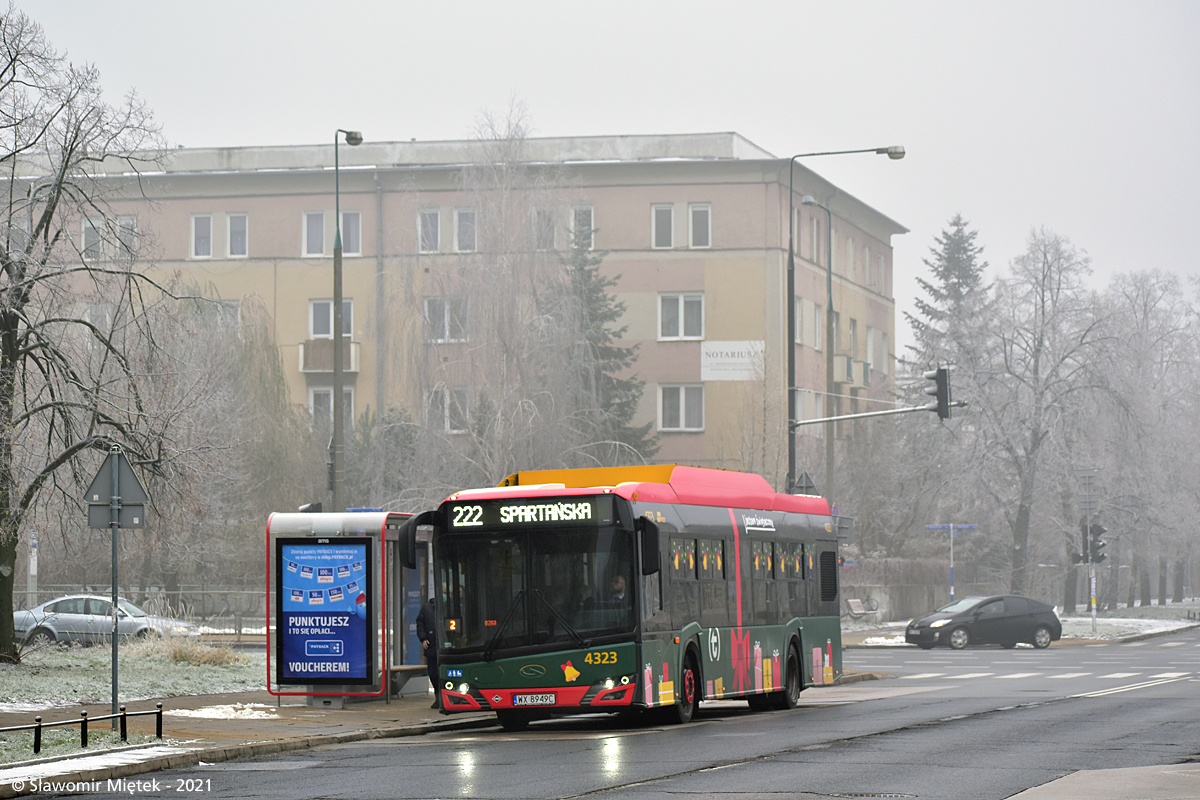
pixel 124 511
pixel 954 528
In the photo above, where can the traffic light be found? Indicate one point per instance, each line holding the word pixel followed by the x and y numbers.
pixel 940 390
pixel 1082 558
pixel 1096 546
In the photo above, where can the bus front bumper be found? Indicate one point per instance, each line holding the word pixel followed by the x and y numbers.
pixel 565 699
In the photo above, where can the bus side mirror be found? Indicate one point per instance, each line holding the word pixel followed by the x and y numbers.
pixel 407 536
pixel 651 562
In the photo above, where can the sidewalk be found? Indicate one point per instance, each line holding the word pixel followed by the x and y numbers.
pixel 225 727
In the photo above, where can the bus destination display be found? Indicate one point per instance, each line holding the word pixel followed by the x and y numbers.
pixel 589 511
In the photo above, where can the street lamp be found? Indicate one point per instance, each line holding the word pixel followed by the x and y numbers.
pixel 895 153
pixel 337 445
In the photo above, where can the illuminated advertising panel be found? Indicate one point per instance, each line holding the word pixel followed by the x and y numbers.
pixel 324 632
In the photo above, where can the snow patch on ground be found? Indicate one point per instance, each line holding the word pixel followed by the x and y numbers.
pixel 233 711
pixel 1107 629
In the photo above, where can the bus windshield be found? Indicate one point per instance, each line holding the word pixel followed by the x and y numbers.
pixel 528 588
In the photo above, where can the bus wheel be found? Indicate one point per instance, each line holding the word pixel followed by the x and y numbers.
pixel 513 720
pixel 689 698
pixel 789 697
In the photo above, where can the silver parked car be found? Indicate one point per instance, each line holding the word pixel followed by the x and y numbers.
pixel 87 619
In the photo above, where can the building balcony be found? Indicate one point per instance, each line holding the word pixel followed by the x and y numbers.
pixel 843 369
pixel 316 355
pixel 862 375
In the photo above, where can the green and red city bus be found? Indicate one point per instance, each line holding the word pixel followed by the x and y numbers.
pixel 730 590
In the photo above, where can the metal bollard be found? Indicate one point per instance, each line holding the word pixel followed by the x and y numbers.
pixel 124 730
pixel 83 728
pixel 158 722
pixel 37 736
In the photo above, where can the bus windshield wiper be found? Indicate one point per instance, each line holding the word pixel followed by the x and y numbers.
pixel 579 640
pixel 489 652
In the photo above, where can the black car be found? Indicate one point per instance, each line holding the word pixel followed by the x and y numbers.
pixel 1000 619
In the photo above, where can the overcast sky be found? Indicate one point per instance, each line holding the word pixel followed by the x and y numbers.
pixel 1083 117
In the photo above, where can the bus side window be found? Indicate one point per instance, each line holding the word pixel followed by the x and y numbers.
pixel 829 576
pixel 683 559
pixel 712 559
pixel 652 599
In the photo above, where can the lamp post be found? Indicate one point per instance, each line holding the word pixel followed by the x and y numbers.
pixel 894 152
pixel 337 444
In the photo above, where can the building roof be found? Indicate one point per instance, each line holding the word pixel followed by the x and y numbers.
pixel 552 150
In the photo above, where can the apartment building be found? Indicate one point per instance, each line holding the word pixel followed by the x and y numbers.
pixel 694 228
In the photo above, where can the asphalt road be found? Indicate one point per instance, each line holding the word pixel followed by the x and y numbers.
pixel 981 723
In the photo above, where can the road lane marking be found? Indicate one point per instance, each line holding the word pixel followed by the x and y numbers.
pixel 1130 688
pixel 1172 644
pixel 1135 644
pixel 1121 675
pixel 971 675
pixel 1171 675
pixel 1068 675
pixel 1020 675
pixel 921 675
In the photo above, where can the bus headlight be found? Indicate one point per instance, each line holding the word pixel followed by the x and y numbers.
pixel 463 688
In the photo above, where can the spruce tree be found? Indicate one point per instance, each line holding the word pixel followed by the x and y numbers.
pixel 955 294
pixel 608 395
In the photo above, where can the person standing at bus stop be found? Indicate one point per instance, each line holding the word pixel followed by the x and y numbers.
pixel 426 627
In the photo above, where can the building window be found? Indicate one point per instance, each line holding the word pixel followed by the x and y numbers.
pixel 446 409
pixel 320 318
pixel 818 327
pixel 868 267
pixel 882 282
pixel 314 233
pixel 543 229
pixel 872 337
pixel 126 237
pixel 681 316
pixel 814 240
pixel 662 223
pixel 464 230
pixel 427 221
pixel 699 225
pixel 445 319
pixel 682 408
pixel 320 404
pixel 202 236
pixel 238 231
pixel 351 233
pixel 583 227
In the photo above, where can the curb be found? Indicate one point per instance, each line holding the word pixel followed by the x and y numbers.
pixel 212 755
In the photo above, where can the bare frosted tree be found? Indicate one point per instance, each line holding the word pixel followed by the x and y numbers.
pixel 1045 333
pixel 1150 374
pixel 77 353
